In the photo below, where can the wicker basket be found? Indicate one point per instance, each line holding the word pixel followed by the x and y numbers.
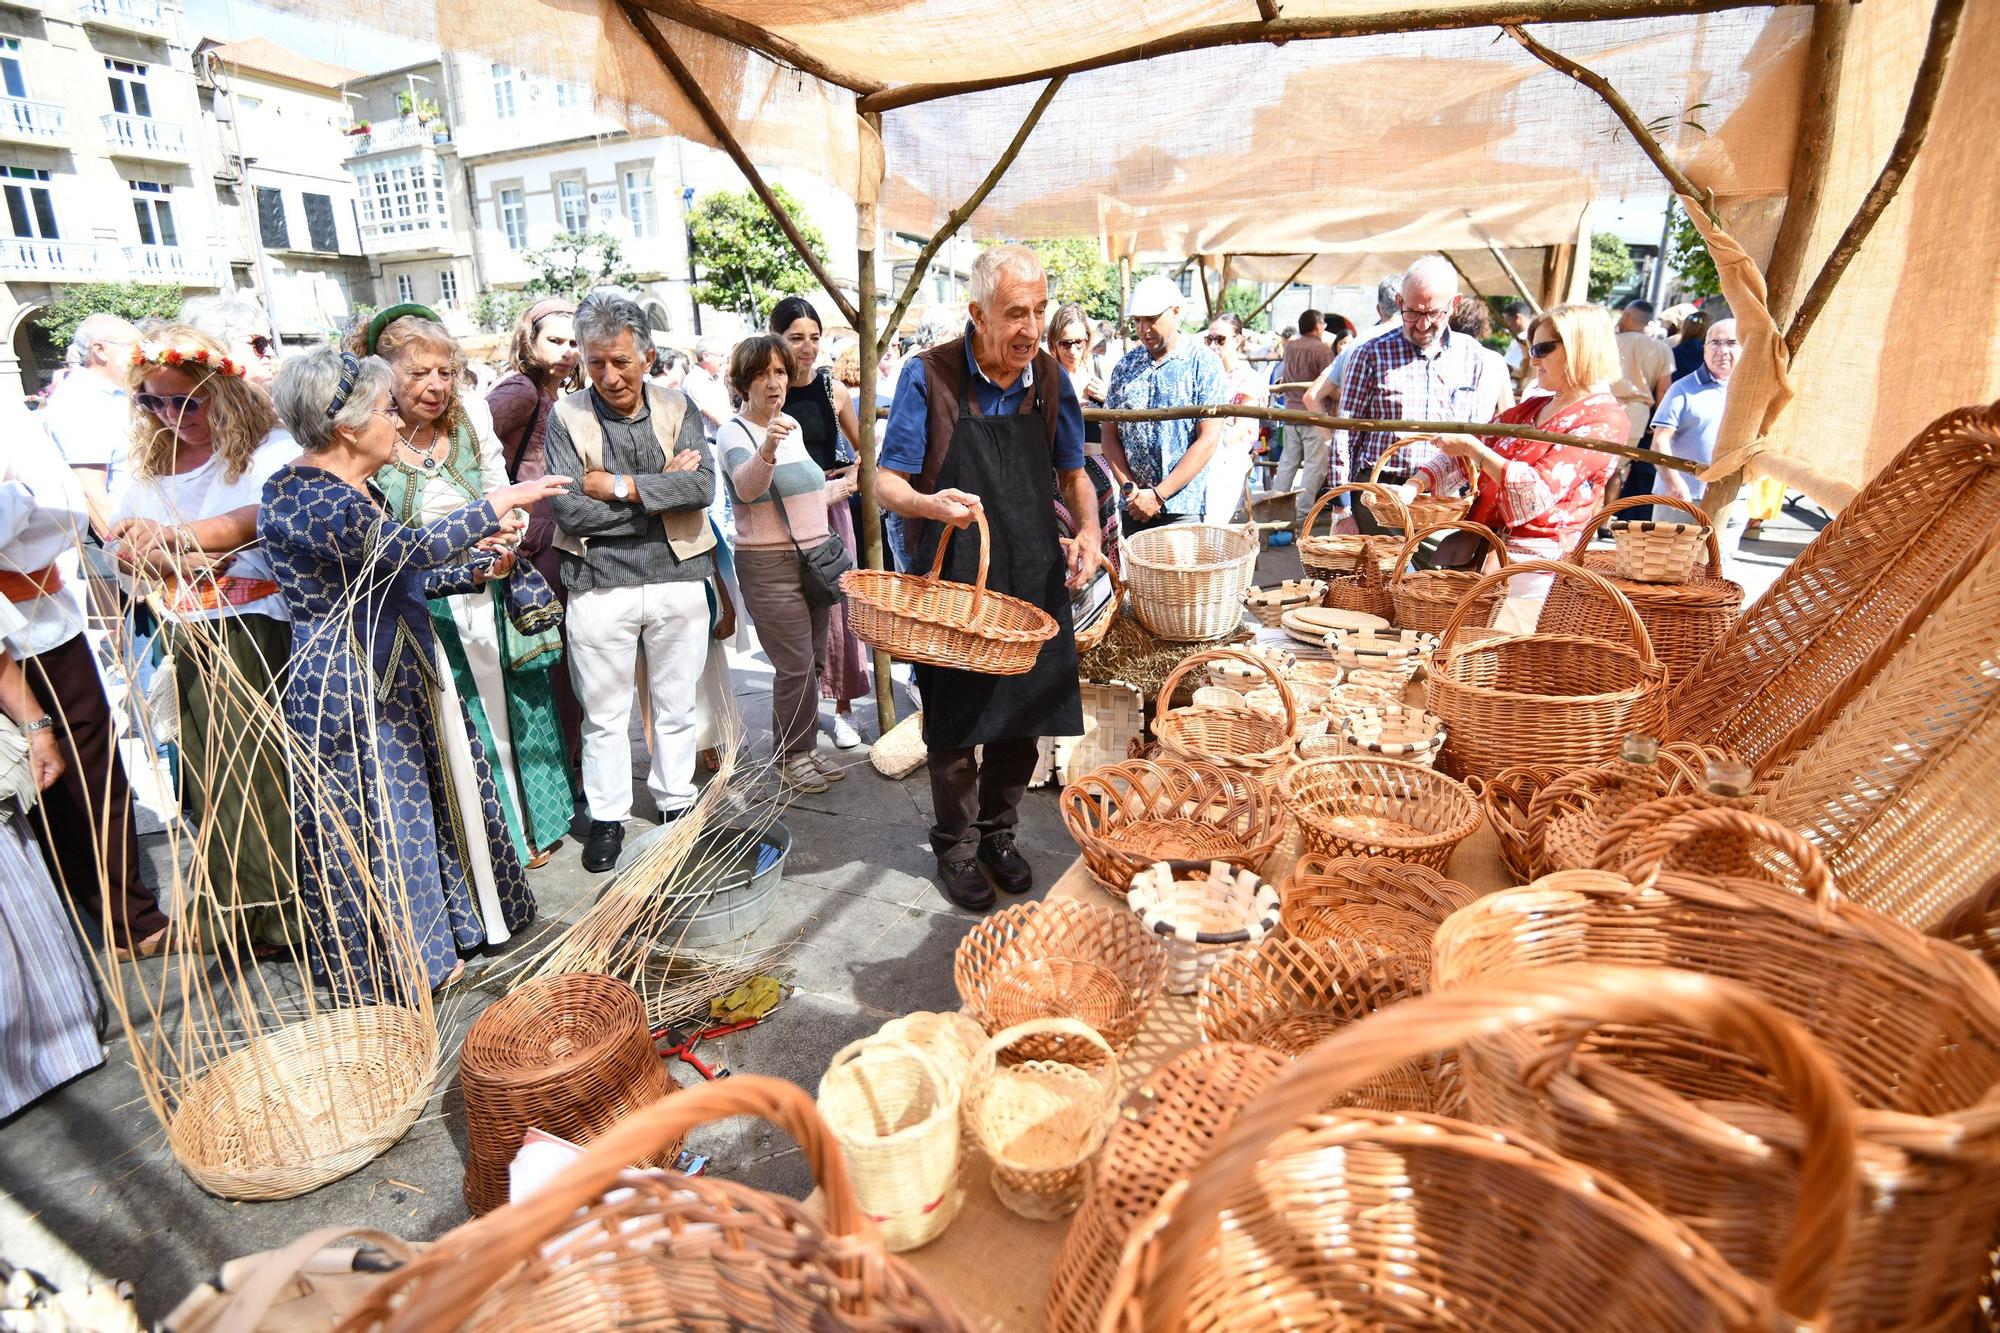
pixel 1564 700
pixel 1202 912
pixel 1063 959
pixel 1355 696
pixel 601 1246
pixel 1270 604
pixel 567 1054
pixel 1100 629
pixel 1425 598
pixel 1243 677
pixel 1368 1220
pixel 1350 553
pixel 900 751
pixel 1187 580
pixel 1040 1120
pixel 1398 652
pixel 894 1111
pixel 1913 1023
pixel 1549 820
pixel 1380 807
pixel 1322 894
pixel 1650 552
pixel 1394 732
pixel 1241 737
pixel 931 620
pixel 1126 816
pixel 1162 1133
pixel 1424 510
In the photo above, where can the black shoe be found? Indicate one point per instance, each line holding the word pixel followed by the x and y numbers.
pixel 964 884
pixel 1011 870
pixel 600 852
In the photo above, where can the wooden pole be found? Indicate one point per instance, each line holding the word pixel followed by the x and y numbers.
pixel 704 18
pixel 1515 278
pixel 867 196
pixel 1207 301
pixel 960 215
pixel 1463 276
pixel 1284 286
pixel 698 99
pixel 1267 10
pixel 1124 297
pixel 1916 127
pixel 1221 289
pixel 1826 55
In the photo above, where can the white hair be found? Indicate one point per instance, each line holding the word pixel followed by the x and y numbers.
pixel 1433 273
pixel 307 386
pixel 101 327
pixel 604 315
pixel 997 260
pixel 227 319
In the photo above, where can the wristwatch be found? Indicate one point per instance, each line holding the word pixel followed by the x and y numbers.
pixel 42 723
pixel 619 490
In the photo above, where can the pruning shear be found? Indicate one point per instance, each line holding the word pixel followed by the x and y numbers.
pixel 678 1043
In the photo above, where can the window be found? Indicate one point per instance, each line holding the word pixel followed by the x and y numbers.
pixel 30 212
pixel 571 96
pixel 639 201
pixel 514 218
pixel 406 291
pixel 10 67
pixel 128 88
pixel 447 287
pixel 503 91
pixel 395 195
pixel 155 212
pixel 319 223
pixel 271 226
pixel 575 209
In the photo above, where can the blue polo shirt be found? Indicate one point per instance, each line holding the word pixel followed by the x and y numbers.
pixel 907 435
pixel 1693 409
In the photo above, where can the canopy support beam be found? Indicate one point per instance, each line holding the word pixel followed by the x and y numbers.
pixel 764 42
pixel 1267 10
pixel 1514 276
pixel 1207 298
pixel 1284 286
pixel 684 80
pixel 1826 55
pixel 867 196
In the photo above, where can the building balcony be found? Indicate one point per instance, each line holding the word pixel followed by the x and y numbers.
pixel 22 121
pixel 172 266
pixel 148 18
pixel 52 261
pixel 142 136
pixel 430 233
pixel 391 136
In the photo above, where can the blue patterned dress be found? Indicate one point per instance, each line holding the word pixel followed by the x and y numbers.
pixel 362 695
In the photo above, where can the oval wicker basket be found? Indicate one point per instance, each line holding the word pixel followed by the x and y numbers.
pixel 1125 816
pixel 1563 700
pixel 1647 551
pixel 1380 807
pixel 1187 580
pixel 1425 598
pixel 1242 737
pixel 931 620
pixel 1270 604
pixel 1424 510
pixel 1350 554
pixel 1553 819
pixel 1394 732
pixel 1063 959
pixel 1202 911
pixel 1040 1120
pixel 894 1111
pixel 1400 652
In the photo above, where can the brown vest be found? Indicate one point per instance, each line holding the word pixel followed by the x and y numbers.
pixel 944 372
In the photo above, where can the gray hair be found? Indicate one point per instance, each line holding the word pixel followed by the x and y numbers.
pixel 704 348
pixel 1389 296
pixel 227 319
pixel 101 327
pixel 1433 272
pixel 603 316
pixel 997 260
pixel 305 387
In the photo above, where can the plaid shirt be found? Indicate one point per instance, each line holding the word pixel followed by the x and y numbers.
pixel 1389 379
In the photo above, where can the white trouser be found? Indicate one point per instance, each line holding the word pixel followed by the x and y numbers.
pixel 1312 473
pixel 607 626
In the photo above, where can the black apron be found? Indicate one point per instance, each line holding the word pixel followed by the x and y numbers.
pixel 1008 461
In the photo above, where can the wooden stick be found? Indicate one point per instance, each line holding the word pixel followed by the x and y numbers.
pixel 961 214
pixel 1515 278
pixel 1438 18
pixel 1463 276
pixel 1268 10
pixel 1916 127
pixel 869 539
pixel 703 18
pixel 1648 145
pixel 1265 304
pixel 685 81
pixel 1207 301
pixel 1825 56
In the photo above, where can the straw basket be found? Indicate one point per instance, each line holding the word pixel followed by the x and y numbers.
pixel 1100 629
pixel 1062 959
pixel 1425 598
pixel 1038 1120
pixel 943 624
pixel 1424 510
pixel 1351 553
pixel 1650 552
pixel 1444 1223
pixel 1398 652
pixel 601 1246
pixel 1188 580
pixel 1161 1135
pixel 1380 807
pixel 1239 737
pixel 1322 894
pixel 569 1055
pixel 1394 732
pixel 1202 912
pixel 1564 700
pixel 1126 816
pixel 1270 604
pixel 894 1111
pixel 1912 1022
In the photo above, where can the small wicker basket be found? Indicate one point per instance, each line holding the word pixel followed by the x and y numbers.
pixel 1235 737
pixel 1187 581
pixel 1098 630
pixel 1063 959
pixel 1202 912
pixel 939 623
pixel 1351 553
pixel 1128 815
pixel 893 1109
pixel 1038 1120
pixel 1401 651
pixel 1242 677
pixel 1650 552
pixel 1394 732
pixel 1425 598
pixel 1270 604
pixel 1380 807
pixel 1424 509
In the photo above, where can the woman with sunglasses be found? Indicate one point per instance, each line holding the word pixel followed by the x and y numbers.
pixel 204 442
pixel 242 328
pixel 1240 384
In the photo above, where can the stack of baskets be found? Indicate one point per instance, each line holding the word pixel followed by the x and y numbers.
pixel 1187 581
pixel 1062 959
pixel 1355 566
pixel 930 620
pixel 1126 816
pixel 1202 912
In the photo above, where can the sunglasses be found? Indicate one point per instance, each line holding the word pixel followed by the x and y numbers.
pixel 1541 350
pixel 1215 339
pixel 1072 342
pixel 169 404
pixel 260 344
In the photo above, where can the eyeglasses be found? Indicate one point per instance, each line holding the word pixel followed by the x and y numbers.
pixel 169 404
pixel 390 415
pixel 260 344
pixel 1539 351
pixel 1723 342
pixel 1423 316
pixel 1136 320
pixel 1072 342
pixel 1215 339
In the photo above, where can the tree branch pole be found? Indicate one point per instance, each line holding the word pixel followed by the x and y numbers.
pixel 1207 301
pixel 867 197
pixel 1826 55
pixel 1916 127
pixel 963 213
pixel 1514 277
pixel 703 18
pixel 685 81
pixel 1267 10
pixel 1281 288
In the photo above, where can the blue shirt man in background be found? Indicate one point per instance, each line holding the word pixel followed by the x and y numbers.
pixel 1162 466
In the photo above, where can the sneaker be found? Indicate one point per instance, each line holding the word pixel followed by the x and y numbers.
pixel 964 883
pixel 1011 870
pixel 845 737
pixel 829 770
pixel 801 775
pixel 601 848
pixel 1281 538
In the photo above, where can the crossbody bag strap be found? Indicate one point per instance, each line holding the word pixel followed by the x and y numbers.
pixel 527 438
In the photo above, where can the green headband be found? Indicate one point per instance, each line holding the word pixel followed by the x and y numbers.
pixel 393 313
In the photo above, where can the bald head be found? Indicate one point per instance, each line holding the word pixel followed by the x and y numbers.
pixel 1429 287
pixel 103 343
pixel 1721 348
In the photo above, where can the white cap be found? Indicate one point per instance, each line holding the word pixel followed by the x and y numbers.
pixel 1153 295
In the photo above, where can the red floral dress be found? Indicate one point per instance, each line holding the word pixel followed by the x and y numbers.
pixel 1548 491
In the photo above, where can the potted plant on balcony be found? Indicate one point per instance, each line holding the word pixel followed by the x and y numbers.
pixel 440 133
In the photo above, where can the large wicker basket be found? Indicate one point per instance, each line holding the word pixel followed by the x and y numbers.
pixel 1126 816
pixel 1424 510
pixel 931 620
pixel 1235 736
pixel 1563 700
pixel 1063 959
pixel 1351 806
pixel 1425 598
pixel 1912 1022
pixel 1187 580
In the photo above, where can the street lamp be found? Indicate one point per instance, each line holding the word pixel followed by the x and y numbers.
pixel 687 226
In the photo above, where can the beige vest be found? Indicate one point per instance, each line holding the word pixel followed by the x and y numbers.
pixel 688 531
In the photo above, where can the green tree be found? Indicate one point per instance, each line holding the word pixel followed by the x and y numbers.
pixel 496 309
pixel 1688 254
pixel 1242 298
pixel 1610 264
pixel 573 266
pixel 134 301
pixel 1077 272
pixel 745 261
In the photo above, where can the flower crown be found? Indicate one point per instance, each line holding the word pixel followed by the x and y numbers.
pixel 165 354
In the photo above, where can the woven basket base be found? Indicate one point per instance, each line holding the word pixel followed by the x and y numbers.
pixel 1075 988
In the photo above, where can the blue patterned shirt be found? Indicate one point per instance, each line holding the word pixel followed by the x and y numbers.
pixel 1188 375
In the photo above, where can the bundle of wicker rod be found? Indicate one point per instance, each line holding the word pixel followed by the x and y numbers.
pixel 1912 1022
pixel 1323 896
pixel 1187 580
pixel 1425 598
pixel 1126 816
pixel 601 1246
pixel 1161 1135
pixel 1685 617
pixel 1040 1119
pixel 1353 565
pixel 569 1055
pixel 1239 737
pixel 1270 604
pixel 1424 509
pixel 1352 806
pixel 1064 959
pixel 939 623
pixel 1553 819
pixel 1202 911
pixel 1564 700
pixel 1445 1223
pixel 893 1108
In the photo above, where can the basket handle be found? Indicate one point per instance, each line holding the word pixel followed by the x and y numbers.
pixel 1375 489
pixel 1192 660
pixel 1633 502
pixel 1649 857
pixel 243 1310
pixel 1561 569
pixel 985 554
pixel 1103 563
pixel 1375 473
pixel 1479 530
pixel 875 1041
pixel 988 1056
pixel 449 1279
pixel 1575 993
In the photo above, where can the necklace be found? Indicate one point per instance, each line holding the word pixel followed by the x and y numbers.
pixel 427 457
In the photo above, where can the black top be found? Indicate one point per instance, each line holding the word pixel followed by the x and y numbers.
pixel 811 405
